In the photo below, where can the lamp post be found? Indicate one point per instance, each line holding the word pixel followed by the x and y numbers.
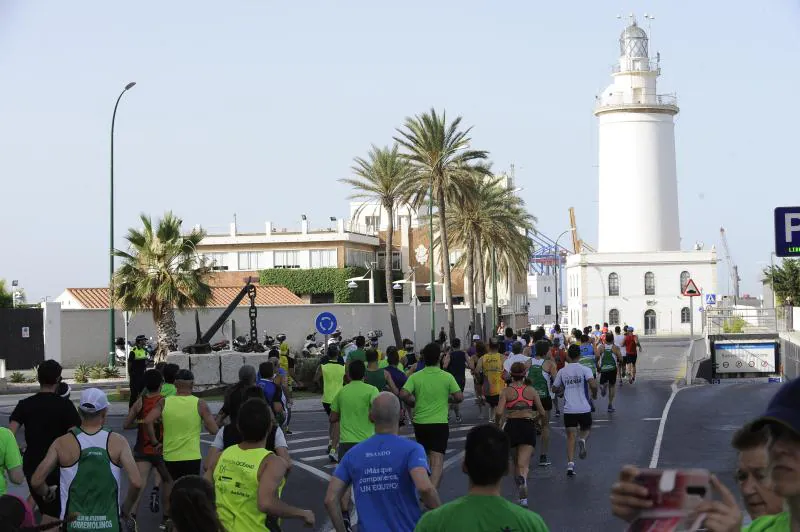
pixel 494 293
pixel 433 288
pixel 353 283
pixel 128 87
pixel 413 282
pixel 558 267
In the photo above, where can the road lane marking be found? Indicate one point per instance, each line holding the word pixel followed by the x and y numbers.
pixel 452 460
pixel 313 470
pixel 660 435
pixel 651 419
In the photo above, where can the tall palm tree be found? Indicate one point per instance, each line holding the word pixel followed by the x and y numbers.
pixel 384 177
pixel 439 151
pixel 162 272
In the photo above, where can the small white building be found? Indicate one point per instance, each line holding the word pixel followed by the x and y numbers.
pixel 541 298
pixel 639 272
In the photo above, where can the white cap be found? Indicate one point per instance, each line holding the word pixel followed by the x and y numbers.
pixel 93 400
pixel 476 336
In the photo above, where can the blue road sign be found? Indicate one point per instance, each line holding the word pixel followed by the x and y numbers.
pixel 326 323
pixel 711 299
pixel 787 231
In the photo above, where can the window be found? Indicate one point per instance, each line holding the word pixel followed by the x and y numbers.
pixel 372 222
pixel 395 260
pixel 684 280
pixel 649 284
pixel 455 256
pixel 249 260
pixel 323 258
pixel 287 259
pixel 359 258
pixel 613 284
pixel 613 317
pixel 547 310
pixel 686 315
pixel 217 261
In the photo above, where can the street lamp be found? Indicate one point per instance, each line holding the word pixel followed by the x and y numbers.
pixel 128 87
pixel 353 283
pixel 433 291
pixel 413 282
pixel 558 267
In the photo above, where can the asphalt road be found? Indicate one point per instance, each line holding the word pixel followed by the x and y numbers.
pixel 696 433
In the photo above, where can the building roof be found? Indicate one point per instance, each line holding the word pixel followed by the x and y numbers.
pixel 221 296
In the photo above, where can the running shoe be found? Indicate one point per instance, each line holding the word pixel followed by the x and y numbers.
pixel 571 469
pixel 155 500
pixel 347 526
pixel 558 413
pixel 611 408
pixel 130 524
pixel 582 452
pixel 332 456
pixel 544 461
pixel 603 390
pixel 523 502
pixel 633 379
pixel 287 432
pixel 459 419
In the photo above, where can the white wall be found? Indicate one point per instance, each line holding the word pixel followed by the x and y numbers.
pixel 589 301
pixel 541 293
pixel 85 337
pixel 796 319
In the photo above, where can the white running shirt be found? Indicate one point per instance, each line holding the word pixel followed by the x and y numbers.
pixel 619 341
pixel 575 377
pixel 525 359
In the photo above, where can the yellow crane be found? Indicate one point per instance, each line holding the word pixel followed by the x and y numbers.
pixel 578 245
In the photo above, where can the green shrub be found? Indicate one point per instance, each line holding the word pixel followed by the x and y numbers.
pixel 97 371
pixel 17 377
pixel 82 373
pixel 319 281
pixel 32 379
pixel 734 325
pixel 304 370
pixel 111 373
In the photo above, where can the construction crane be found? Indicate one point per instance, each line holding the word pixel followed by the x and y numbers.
pixel 578 245
pixel 733 269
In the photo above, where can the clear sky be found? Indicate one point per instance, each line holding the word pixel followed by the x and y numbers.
pixel 256 107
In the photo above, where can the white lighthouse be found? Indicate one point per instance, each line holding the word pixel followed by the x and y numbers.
pixel 637 154
pixel 638 274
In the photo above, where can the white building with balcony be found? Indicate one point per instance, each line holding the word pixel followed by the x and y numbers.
pixel 639 272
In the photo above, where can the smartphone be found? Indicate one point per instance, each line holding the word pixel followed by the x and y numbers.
pixel 675 494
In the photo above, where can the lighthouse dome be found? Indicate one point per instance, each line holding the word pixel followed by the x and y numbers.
pixel 633 42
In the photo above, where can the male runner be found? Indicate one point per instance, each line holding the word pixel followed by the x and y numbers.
pixel 378 376
pixel 45 417
pixel 541 375
pixel 588 358
pixel 491 366
pixel 597 334
pixel 477 376
pixel 358 353
pixel 89 461
pixel 619 341
pixel 350 408
pixel 575 380
pixel 429 391
pixel 486 456
pixel 331 374
pixel 558 354
pixel 390 474
pixel 515 356
pixel 608 357
pixel 456 363
pixel 631 346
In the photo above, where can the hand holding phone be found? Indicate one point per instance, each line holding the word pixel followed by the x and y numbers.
pixel 676 495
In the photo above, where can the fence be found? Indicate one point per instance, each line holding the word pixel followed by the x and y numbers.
pixel 791 355
pixel 744 320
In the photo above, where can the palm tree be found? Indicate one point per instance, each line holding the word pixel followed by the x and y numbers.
pixel 162 272
pixel 439 151
pixel 384 177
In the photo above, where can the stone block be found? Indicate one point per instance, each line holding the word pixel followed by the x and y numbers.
pixel 254 359
pixel 205 369
pixel 229 363
pixel 179 358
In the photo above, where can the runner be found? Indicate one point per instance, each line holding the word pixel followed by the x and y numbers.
pixel 168 388
pixel 137 365
pixel 456 364
pixel 508 341
pixel 89 461
pixel 631 346
pixel 146 456
pixel 331 373
pixel 619 341
pixel 515 356
pixel 10 460
pixel 281 378
pixel 428 391
pixel 588 358
pixel 377 376
pixel 233 396
pixel 477 375
pixel 16 515
pixel 45 417
pixel 576 380
pixel 541 375
pixel 351 408
pixel 608 358
pixel 358 353
pixel 557 334
pixel 195 507
pixel 409 357
pixel 558 354
pixel 390 475
pixel 486 457
pixel 491 366
pixel 517 402
pixel 272 393
pixel 181 417
pixel 247 477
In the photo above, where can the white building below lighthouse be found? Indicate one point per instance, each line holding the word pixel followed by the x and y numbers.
pixel 638 274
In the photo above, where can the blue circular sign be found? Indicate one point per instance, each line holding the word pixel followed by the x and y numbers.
pixel 326 323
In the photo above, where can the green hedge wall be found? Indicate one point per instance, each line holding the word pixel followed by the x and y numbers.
pixel 319 281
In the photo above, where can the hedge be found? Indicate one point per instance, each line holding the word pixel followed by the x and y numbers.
pixel 319 281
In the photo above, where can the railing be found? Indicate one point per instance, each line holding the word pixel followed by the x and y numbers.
pixel 361 229
pixel 646 100
pixel 744 321
pixel 637 65
pixel 790 354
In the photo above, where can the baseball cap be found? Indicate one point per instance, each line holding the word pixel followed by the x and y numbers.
pixel 476 336
pixel 93 400
pixel 184 375
pixel 783 409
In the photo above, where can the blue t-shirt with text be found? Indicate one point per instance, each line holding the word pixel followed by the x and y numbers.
pixel 379 470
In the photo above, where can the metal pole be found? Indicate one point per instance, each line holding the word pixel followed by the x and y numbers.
pixel 111 324
pixel 557 269
pixel 494 293
pixel 414 301
pixel 430 258
pixel 691 317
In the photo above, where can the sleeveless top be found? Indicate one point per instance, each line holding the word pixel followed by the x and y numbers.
pixel 520 402
pixel 236 486
pixel 559 356
pixel 540 379
pixel 332 381
pixel 630 344
pixel 90 486
pixel 181 428
pixel 142 446
pixel 587 357
pixel 608 360
pixel 492 366
pixel 377 378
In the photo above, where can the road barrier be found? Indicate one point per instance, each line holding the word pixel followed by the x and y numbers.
pixel 791 355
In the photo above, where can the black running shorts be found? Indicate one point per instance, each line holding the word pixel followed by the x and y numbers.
pixel 493 400
pixel 584 421
pixel 432 436
pixel 327 408
pixel 609 377
pixel 51 508
pixel 182 468
pixel 547 403
pixel 520 431
pixel 344 448
pixel 632 359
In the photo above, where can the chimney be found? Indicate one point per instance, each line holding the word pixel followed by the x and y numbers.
pixel 269 229
pixel 340 226
pixel 304 226
pixel 233 228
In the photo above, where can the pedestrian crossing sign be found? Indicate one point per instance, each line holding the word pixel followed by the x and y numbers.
pixel 691 289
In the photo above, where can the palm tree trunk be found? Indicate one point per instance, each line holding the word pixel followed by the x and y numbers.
pixel 470 274
pixel 481 281
pixel 448 286
pixel 398 340
pixel 167 333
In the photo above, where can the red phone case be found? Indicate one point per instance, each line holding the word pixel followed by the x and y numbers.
pixel 675 494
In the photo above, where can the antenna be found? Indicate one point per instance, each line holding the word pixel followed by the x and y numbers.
pixel 650 19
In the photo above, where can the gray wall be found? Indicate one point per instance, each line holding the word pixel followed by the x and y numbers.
pixel 84 333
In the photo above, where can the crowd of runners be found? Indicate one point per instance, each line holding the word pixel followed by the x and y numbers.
pixel 73 465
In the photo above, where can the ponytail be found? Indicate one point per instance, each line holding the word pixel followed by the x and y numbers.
pixel 193 507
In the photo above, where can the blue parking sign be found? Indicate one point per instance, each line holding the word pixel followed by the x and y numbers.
pixel 787 231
